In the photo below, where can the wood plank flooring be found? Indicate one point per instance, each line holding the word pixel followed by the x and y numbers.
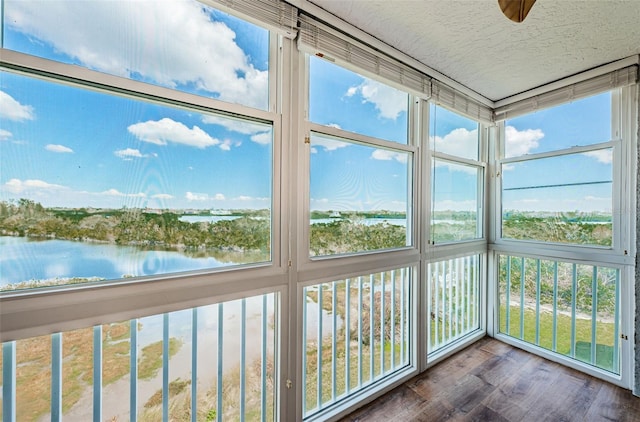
pixel 492 381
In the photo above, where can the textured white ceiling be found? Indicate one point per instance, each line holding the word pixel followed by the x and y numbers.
pixel 471 42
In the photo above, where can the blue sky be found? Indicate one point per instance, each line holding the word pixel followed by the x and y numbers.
pixel 65 146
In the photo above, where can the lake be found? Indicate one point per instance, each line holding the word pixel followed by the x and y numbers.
pixel 22 259
pixel 207 218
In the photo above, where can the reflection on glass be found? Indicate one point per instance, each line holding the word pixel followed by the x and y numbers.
pixel 565 199
pixel 453 134
pixel 455 215
pixel 127 188
pixel 578 123
pixel 359 197
pixel 153 42
pixel 346 100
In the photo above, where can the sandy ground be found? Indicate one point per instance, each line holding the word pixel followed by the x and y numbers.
pixel 115 397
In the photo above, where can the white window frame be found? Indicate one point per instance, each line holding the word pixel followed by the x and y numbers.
pixel 618 252
pixel 315 268
pixel 29 313
pixel 620 255
pixel 440 251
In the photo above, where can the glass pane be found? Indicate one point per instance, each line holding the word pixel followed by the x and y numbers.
pixel 98 187
pixel 455 215
pixel 356 333
pixel 156 42
pixel 453 134
pixel 360 197
pixel 543 200
pixel 453 297
pixel 582 122
pixel 33 378
pixel 566 308
pixel 184 346
pixel 343 99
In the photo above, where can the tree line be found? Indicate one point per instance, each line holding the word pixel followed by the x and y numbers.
pixel 27 218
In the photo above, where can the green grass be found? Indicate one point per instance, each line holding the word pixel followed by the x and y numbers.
pixel 604 335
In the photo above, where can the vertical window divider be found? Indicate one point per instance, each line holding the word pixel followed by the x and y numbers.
pixel 97 372
pixel 9 381
pixel 56 377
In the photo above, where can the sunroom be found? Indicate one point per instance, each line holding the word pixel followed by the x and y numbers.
pixel 279 210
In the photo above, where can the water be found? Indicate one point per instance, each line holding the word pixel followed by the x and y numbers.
pixel 207 218
pixel 22 259
pixel 365 221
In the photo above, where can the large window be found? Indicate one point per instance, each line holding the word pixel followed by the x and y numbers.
pixel 457 177
pixel 557 177
pixel 361 165
pixel 98 186
pixel 217 225
pixel 561 188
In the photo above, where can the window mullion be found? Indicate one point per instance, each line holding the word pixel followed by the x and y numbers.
pixel 81 77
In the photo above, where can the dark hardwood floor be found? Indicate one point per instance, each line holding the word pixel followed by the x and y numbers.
pixel 492 381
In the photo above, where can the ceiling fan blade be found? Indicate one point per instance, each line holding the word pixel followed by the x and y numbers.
pixel 516 10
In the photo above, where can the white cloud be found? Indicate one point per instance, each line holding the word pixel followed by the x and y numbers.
pixel 460 168
pixel 58 148
pixel 458 142
pixel 263 138
pixel 334 125
pixel 386 155
pixel 451 205
pixel 128 153
pixel 54 195
pixel 190 196
pixel 162 196
pixel 122 38
pixel 5 135
pixel 20 186
pixel 219 197
pixel 604 156
pixel 520 142
pixel 11 109
pixel 116 192
pixel 226 145
pixel 260 133
pixel 389 101
pixel 166 130
pixel 328 144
